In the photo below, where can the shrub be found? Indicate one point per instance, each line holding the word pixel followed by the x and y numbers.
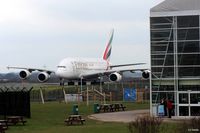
pixel 145 124
pixel 191 125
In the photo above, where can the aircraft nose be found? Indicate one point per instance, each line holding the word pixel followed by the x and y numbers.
pixel 58 73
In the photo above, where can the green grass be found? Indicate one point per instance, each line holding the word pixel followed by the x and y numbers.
pixel 49 118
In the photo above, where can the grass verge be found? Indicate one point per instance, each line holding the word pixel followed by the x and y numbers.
pixel 49 118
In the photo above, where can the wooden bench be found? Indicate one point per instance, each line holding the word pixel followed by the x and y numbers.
pixel 71 122
pixel 106 108
pixel 3 128
pixel 74 119
pixel 23 121
pixel 4 123
pixel 118 107
pixel 122 107
pixel 13 120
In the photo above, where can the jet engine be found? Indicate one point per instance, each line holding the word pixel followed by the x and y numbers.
pixel 145 74
pixel 115 77
pixel 43 76
pixel 24 74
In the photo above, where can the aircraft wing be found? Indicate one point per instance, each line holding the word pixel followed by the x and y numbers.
pixel 32 69
pixel 113 66
pixel 108 72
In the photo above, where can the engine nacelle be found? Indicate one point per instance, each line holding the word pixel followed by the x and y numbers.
pixel 115 77
pixel 43 76
pixel 24 74
pixel 145 74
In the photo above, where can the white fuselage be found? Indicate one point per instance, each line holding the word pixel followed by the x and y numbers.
pixel 75 68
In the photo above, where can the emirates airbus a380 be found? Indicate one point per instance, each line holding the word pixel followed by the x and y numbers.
pixel 84 68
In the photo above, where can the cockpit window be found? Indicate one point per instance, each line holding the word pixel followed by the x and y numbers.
pixel 61 66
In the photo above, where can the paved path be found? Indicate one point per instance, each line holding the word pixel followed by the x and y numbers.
pixel 128 116
pixel 125 116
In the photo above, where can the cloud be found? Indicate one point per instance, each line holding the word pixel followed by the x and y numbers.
pixel 34 32
pixel 12 10
pixel 52 16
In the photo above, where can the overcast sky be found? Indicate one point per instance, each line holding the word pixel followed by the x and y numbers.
pixel 39 33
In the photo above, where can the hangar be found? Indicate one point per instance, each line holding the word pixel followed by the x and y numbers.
pixel 175 55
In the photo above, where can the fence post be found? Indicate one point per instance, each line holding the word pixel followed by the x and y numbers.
pixel 41 95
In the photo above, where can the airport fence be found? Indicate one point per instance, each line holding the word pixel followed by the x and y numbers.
pixel 113 91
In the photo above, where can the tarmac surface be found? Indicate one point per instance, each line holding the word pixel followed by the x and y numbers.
pixel 129 116
pixel 125 116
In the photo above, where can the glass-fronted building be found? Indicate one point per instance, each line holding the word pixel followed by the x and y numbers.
pixel 175 55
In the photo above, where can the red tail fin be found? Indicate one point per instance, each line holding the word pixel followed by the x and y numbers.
pixel 107 52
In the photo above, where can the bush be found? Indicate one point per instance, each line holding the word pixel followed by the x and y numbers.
pixel 191 125
pixel 145 124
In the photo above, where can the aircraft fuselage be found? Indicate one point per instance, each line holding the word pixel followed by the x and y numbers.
pixel 75 68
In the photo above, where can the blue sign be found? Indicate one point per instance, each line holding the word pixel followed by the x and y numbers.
pixel 130 94
pixel 161 111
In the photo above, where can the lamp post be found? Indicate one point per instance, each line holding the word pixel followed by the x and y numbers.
pixel 100 83
pixel 150 78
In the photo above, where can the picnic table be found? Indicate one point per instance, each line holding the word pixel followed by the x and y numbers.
pixel 74 119
pixel 118 107
pixel 106 107
pixel 112 107
pixel 13 120
pixel 3 126
pixel 4 123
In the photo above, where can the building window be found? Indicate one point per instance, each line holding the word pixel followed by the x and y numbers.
pixel 162 88
pixel 188 47
pixel 162 47
pixel 157 96
pixel 184 111
pixel 195 98
pixel 189 87
pixel 183 98
pixel 195 111
pixel 163 72
pixel 188 34
pixel 189 72
pixel 161 22
pixel 189 59
pixel 187 21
